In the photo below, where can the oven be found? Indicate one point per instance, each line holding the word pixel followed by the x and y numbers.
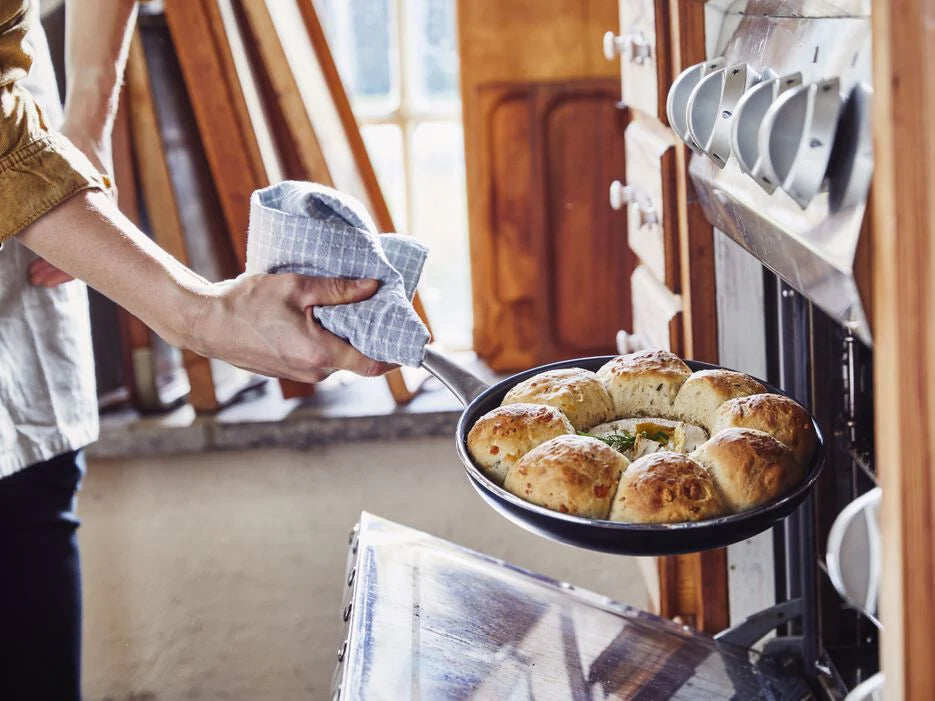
pixel 777 118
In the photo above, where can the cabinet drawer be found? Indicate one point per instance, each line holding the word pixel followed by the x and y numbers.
pixel 644 56
pixel 651 219
pixel 657 312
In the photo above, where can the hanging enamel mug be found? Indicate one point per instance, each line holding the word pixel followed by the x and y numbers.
pixel 854 557
pixel 711 109
pixel 681 90
pixel 745 128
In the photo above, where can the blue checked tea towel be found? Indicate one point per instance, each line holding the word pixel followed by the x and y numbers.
pixel 307 228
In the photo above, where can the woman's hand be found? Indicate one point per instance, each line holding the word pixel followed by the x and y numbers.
pixel 264 323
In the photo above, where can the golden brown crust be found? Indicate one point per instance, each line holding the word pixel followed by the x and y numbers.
pixel 571 474
pixel 661 361
pixel 781 417
pixel 749 467
pixel 759 447
pixel 504 435
pixel 703 392
pixel 575 391
pixel 666 487
pixel 644 383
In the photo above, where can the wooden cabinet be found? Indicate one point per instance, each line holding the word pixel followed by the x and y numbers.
pixel 552 255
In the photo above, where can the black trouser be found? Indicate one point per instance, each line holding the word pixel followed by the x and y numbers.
pixel 40 582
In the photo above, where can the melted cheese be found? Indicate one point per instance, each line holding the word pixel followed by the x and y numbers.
pixel 681 437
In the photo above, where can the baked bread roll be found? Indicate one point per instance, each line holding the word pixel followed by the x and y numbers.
pixel 782 418
pixel 504 435
pixel 575 391
pixel 749 467
pixel 666 487
pixel 644 383
pixel 571 474
pixel 703 392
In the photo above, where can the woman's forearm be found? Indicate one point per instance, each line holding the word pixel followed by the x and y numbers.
pixel 89 238
pixel 97 39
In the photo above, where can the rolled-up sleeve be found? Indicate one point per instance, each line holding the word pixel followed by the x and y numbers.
pixel 39 167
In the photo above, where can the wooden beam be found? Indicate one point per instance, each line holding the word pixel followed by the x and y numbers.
pixel 210 74
pixel 134 334
pixel 161 206
pixel 903 292
pixel 303 157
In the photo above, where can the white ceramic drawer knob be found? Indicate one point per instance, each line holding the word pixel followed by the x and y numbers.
pixel 630 343
pixel 634 46
pixel 626 195
pixel 621 195
pixel 613 45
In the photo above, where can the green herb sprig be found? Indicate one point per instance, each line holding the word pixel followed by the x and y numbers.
pixel 658 436
pixel 623 441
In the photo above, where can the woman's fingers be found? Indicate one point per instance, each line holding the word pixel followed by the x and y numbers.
pixel 44 274
pixel 329 351
pixel 320 291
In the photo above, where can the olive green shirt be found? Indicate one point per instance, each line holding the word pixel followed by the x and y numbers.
pixel 39 168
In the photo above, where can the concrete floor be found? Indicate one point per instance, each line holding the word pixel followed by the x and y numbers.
pixel 219 575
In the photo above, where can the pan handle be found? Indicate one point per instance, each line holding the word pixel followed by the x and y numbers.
pixel 462 384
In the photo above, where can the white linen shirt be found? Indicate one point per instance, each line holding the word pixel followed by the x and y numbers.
pixel 48 399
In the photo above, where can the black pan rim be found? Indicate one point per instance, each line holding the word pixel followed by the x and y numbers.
pixel 761 513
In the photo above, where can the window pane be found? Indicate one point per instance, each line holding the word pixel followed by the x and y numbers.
pixel 433 52
pixel 362 37
pixel 440 221
pixel 385 146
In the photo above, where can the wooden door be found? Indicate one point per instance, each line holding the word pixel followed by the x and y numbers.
pixel 550 255
pixel 538 135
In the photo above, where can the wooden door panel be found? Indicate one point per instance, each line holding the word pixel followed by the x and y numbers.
pixel 551 254
pixel 516 317
pixel 589 260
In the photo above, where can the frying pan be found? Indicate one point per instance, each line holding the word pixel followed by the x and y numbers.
pixel 595 534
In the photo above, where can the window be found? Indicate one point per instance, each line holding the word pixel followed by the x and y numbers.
pixel 399 63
